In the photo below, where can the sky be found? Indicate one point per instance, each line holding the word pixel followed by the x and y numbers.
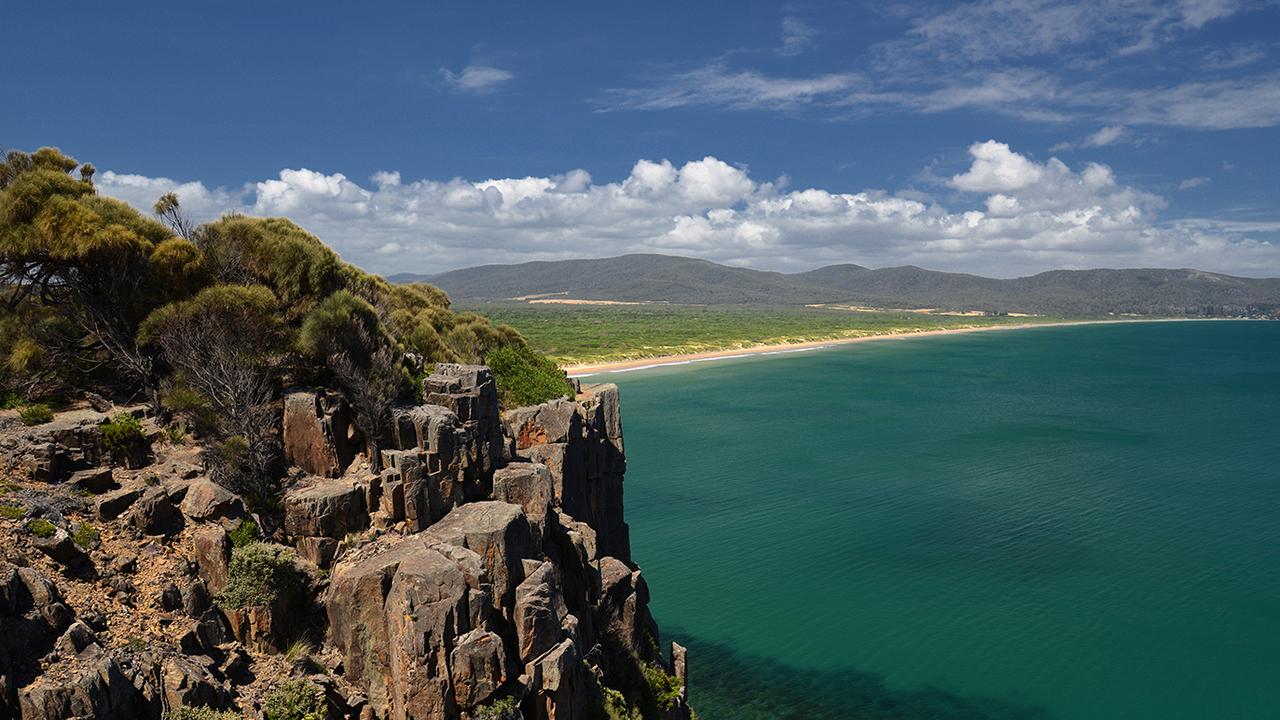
pixel 1003 138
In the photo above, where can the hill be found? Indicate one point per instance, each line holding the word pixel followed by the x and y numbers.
pixel 664 278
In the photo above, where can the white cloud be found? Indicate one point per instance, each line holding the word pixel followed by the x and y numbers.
pixel 1193 182
pixel 476 78
pixel 797 36
pixel 1105 136
pixel 714 85
pixel 1013 215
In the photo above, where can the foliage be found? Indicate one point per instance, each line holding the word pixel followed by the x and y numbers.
pixel 121 435
pixel 502 709
pixel 259 573
pixel 578 334
pixel 201 713
pixel 41 528
pixel 295 700
pixel 86 536
pixel 524 377
pixel 616 706
pixel 35 414
pixel 11 401
pixel 12 512
pixel 245 534
pixel 665 688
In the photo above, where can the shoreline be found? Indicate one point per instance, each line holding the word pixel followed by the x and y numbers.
pixel 588 369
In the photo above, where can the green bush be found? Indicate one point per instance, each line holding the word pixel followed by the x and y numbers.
pixel 245 534
pixel 295 700
pixel 524 377
pixel 12 512
pixel 41 528
pixel 35 414
pixel 201 713
pixel 504 709
pixel 10 402
pixel 121 435
pixel 259 573
pixel 665 688
pixel 86 536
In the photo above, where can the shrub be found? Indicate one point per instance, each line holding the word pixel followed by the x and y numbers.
pixel 122 435
pixel 504 709
pixel 41 528
pixel 201 713
pixel 10 401
pixel 245 534
pixel 259 573
pixel 295 700
pixel 665 688
pixel 35 414
pixel 524 377
pixel 12 512
pixel 86 536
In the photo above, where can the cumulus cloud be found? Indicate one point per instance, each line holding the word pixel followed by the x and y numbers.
pixel 1011 214
pixel 476 78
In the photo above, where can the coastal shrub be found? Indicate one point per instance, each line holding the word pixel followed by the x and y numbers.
pixel 12 512
pixel 41 528
pixel 665 688
pixel 201 713
pixel 35 414
pixel 11 401
pixel 524 377
pixel 245 534
pixel 86 536
pixel 503 709
pixel 295 700
pixel 259 574
pixel 122 436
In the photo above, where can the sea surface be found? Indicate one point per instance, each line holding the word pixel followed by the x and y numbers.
pixel 1077 523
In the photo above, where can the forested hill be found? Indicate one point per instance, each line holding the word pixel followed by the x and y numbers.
pixel 664 278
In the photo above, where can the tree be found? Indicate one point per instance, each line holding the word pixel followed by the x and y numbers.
pixel 225 344
pixel 168 209
pixel 372 387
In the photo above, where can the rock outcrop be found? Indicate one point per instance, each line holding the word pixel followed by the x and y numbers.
pixel 468 560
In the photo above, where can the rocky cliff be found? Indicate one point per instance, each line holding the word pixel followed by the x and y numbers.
pixel 475 567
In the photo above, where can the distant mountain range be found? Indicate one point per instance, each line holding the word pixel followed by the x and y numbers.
pixel 666 278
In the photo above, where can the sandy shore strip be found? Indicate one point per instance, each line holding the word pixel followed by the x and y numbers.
pixel 587 369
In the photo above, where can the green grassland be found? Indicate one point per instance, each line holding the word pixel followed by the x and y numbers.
pixel 578 334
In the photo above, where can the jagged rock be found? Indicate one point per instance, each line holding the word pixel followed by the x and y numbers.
pixel 195 598
pixel 76 640
pixel 96 480
pixel 529 486
pixel 539 609
pixel 60 547
pixel 680 668
pixel 112 504
pixel 207 500
pixel 154 514
pixel 558 679
pixel 189 683
pixel 478 667
pixel 212 550
pixel 624 606
pixel 471 393
pixel 100 691
pixel 325 508
pixel 496 531
pixel 318 551
pixel 318 432
pixel 267 628
pixel 170 598
pixel 399 611
pixel 553 422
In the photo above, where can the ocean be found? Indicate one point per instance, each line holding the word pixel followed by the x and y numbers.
pixel 1076 523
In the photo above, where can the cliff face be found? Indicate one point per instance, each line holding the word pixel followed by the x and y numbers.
pixel 477 567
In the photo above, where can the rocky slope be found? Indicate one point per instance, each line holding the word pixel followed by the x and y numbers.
pixel 479 567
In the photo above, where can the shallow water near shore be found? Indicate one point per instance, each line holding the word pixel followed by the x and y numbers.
pixel 1060 522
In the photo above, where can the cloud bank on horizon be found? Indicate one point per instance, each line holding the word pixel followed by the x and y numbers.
pixel 1009 215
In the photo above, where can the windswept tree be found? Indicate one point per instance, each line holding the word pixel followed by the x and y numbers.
pixel 225 344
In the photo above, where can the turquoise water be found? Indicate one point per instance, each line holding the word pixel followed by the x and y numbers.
pixel 1078 523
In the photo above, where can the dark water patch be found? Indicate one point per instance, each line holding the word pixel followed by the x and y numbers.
pixel 726 685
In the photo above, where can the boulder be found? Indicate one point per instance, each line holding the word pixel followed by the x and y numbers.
pixel 539 610
pixel 207 500
pixel 478 668
pixel 60 547
pixel 325 508
pixel 624 607
pixel 95 480
pixel 211 547
pixel 318 551
pixel 553 422
pixel 529 486
pixel 99 690
pixel 496 531
pixel 318 433
pixel 188 683
pixel 110 505
pixel 154 514
pixel 559 683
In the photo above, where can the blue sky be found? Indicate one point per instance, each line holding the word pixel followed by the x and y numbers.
pixel 1002 137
